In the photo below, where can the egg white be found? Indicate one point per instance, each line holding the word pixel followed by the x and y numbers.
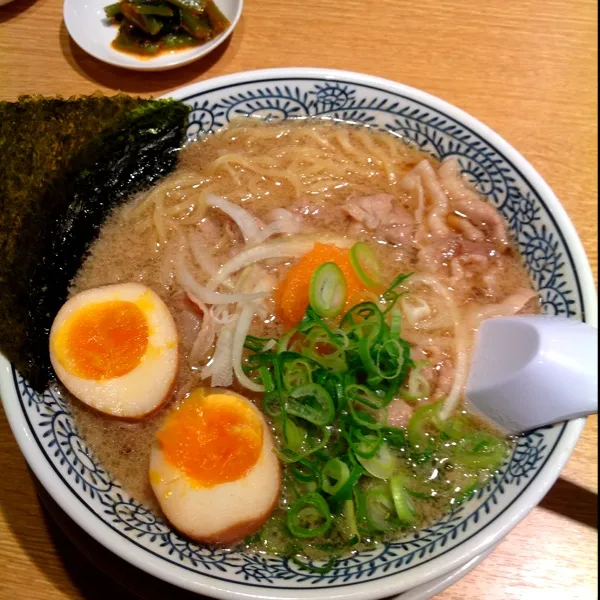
pixel 226 512
pixel 146 387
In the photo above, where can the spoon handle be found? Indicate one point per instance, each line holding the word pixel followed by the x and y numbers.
pixel 533 370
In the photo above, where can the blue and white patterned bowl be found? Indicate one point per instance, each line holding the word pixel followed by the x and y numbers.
pixel 554 257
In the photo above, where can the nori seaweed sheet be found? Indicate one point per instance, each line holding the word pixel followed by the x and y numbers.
pixel 64 166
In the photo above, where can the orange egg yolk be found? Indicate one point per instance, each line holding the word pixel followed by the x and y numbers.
pixel 212 439
pixel 103 340
pixel 292 295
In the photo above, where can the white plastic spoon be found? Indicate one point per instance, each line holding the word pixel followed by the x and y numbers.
pixel 533 370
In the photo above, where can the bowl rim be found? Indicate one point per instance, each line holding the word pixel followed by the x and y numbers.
pixel 162 62
pixel 453 558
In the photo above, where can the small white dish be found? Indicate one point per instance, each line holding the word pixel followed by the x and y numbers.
pixel 87 25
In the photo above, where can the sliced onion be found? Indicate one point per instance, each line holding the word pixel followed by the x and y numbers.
pixel 241 331
pixel 418 385
pixel 206 336
pixel 220 369
pixel 194 300
pixel 281 214
pixel 284 221
pixel 202 255
pixel 221 314
pixel 247 222
pixel 245 281
pixel 204 340
pixel 269 345
pixel 292 248
pixel 244 322
pixel 209 296
pixel 415 308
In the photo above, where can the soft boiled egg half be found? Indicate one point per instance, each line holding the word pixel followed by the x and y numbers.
pixel 115 348
pixel 213 468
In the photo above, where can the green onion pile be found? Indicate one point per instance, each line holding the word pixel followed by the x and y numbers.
pixel 349 478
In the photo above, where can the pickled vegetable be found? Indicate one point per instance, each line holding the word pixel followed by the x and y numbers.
pixel 149 27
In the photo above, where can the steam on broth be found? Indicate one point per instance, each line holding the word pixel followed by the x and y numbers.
pixel 310 189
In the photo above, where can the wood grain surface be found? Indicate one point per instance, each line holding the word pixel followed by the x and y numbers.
pixel 527 69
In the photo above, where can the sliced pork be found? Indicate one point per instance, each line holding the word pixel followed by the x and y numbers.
pixel 383 215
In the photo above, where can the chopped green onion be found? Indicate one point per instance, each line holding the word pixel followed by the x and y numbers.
pixel 362 394
pixel 271 405
pixel 468 490
pixel 266 378
pixel 301 488
pixel 395 322
pixel 335 475
pixel 481 450
pixel 421 419
pixel 365 415
pixel 273 536
pixel 350 528
pixel 316 406
pixel 394 436
pixel 333 383
pixel 295 436
pixel 417 387
pixel 455 428
pixel 295 373
pixel 305 472
pixel 327 387
pixel 289 455
pixel 365 445
pixel 284 341
pixel 390 359
pixel 362 523
pixel 379 508
pixel 398 281
pixel 404 507
pixel 309 516
pixel 365 320
pixel 382 465
pixel 345 491
pixel 364 351
pixel 327 290
pixel 419 495
pixel 256 344
pixel 316 344
pixel 365 264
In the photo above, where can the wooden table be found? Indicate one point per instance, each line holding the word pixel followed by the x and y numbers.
pixel 527 69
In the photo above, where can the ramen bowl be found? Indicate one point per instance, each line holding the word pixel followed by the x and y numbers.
pixel 555 260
